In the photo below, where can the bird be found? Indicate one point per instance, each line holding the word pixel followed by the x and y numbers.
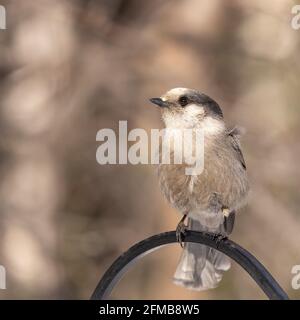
pixel 209 200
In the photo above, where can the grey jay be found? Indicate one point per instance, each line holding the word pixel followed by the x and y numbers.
pixel 208 200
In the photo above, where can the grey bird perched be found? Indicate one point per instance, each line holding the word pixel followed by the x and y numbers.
pixel 208 200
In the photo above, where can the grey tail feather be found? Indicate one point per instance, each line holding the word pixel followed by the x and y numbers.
pixel 200 267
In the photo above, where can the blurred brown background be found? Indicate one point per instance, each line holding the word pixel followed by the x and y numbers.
pixel 70 68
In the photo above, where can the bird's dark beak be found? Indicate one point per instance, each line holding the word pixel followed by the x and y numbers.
pixel 159 102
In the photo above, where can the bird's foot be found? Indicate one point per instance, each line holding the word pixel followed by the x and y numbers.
pixel 219 238
pixel 180 231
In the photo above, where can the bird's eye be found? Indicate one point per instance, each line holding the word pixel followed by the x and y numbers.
pixel 183 101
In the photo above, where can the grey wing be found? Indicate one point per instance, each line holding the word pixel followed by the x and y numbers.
pixel 234 135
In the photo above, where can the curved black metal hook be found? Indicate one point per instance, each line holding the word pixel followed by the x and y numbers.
pixel 245 259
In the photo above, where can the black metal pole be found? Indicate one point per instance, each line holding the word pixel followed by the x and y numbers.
pixel 245 259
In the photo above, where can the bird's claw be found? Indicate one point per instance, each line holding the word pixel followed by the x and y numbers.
pixel 219 238
pixel 180 231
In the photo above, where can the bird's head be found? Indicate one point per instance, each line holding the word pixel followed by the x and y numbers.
pixel 187 108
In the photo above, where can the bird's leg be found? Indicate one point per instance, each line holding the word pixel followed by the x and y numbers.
pixel 180 230
pixel 227 225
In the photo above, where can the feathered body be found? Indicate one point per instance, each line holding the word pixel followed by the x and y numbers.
pixel 222 184
pixel 223 180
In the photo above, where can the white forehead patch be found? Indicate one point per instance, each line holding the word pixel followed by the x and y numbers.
pixel 175 92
